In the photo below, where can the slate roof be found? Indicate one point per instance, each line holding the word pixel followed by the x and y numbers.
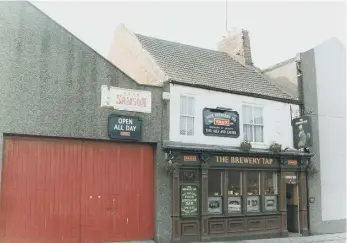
pixel 208 68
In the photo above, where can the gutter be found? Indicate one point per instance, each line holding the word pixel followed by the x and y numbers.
pixel 290 101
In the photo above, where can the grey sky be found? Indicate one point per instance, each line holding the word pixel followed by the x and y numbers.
pixel 278 30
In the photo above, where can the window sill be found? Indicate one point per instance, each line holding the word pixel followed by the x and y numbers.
pixel 238 215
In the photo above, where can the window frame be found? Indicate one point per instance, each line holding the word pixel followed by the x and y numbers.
pixel 186 116
pixel 240 196
pixel 275 175
pixel 224 173
pixel 253 124
pixel 259 195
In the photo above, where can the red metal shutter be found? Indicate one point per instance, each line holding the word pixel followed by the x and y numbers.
pixel 73 191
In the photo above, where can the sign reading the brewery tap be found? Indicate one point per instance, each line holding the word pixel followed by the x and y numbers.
pixel 126 99
pixel 221 123
pixel 124 127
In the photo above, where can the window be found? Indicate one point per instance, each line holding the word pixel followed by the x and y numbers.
pixel 253 192
pixel 215 189
pixel 234 192
pixel 187 115
pixel 253 126
pixel 270 191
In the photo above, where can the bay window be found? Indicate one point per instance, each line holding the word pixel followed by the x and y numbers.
pixel 244 192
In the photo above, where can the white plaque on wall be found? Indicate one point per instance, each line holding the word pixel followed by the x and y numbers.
pixel 126 99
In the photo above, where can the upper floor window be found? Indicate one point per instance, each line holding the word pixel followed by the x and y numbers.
pixel 253 123
pixel 187 115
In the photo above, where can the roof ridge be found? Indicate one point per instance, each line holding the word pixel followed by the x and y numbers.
pixel 175 42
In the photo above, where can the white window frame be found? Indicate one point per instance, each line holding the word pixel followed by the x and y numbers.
pixel 253 124
pixel 187 115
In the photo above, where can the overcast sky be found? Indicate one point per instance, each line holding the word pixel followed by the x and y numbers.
pixel 278 30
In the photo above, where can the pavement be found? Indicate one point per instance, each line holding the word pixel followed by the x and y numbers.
pixel 327 238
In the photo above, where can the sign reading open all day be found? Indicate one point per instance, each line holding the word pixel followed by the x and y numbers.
pixel 124 127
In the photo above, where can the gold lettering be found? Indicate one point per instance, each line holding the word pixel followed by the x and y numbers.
pixel 242 160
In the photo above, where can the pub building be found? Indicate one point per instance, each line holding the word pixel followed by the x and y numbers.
pixel 226 194
pixel 215 101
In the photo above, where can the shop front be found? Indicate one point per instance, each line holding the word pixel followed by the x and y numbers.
pixel 226 194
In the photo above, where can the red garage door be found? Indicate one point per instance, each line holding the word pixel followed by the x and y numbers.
pixel 75 191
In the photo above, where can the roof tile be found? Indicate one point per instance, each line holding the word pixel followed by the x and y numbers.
pixel 198 66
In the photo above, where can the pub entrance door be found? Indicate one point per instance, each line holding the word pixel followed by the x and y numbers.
pixel 293 218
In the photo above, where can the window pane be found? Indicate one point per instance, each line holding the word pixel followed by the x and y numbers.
pixel 183 125
pixel 214 183
pixel 234 204
pixel 258 134
pixel 248 132
pixel 247 114
pixel 190 106
pixel 253 185
pixel 190 126
pixel 270 180
pixel 271 203
pixel 215 199
pixel 253 204
pixel 258 115
pixel 183 106
pixel 234 183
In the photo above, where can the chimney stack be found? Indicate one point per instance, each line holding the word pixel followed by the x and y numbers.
pixel 237 44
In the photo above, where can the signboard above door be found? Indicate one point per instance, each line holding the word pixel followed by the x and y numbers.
pixel 126 99
pixel 221 123
pixel 124 127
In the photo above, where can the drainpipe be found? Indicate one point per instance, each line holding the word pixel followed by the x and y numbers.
pixel 302 112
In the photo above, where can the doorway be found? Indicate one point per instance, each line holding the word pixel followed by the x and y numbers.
pixel 293 219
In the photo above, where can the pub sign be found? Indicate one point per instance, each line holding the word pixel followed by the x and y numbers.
pixel 221 123
pixel 124 127
pixel 302 132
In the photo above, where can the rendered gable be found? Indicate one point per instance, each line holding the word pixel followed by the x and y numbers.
pixel 127 53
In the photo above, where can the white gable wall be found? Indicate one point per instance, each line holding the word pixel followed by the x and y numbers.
pixel 330 60
pixel 277 120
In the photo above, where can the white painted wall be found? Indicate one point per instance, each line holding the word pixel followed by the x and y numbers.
pixel 330 59
pixel 277 121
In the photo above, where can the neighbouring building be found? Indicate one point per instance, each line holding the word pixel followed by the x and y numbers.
pixel 219 105
pixel 66 173
pixel 318 76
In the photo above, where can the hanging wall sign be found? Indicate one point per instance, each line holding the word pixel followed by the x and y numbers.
pixel 124 127
pixel 189 201
pixel 302 132
pixel 221 123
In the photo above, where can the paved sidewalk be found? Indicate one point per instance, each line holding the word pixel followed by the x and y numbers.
pixel 328 238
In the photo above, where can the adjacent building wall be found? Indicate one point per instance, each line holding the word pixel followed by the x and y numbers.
pixel 127 53
pixel 285 76
pixel 51 86
pixel 324 88
pixel 277 117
